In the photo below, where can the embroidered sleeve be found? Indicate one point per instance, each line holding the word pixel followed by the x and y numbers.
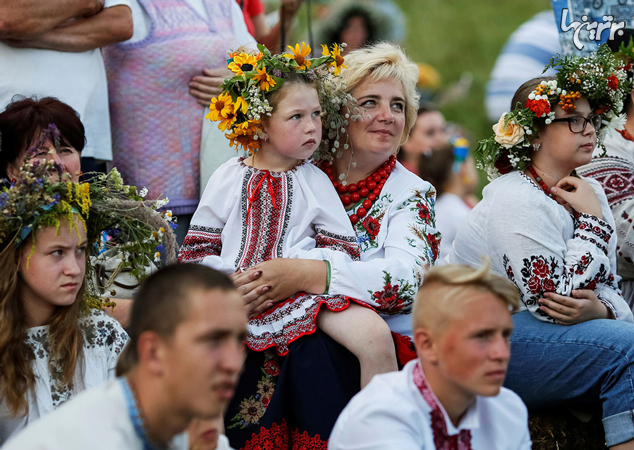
pixel 338 242
pixel 200 242
pixel 616 176
pixel 529 242
pixel 102 331
pixel 410 244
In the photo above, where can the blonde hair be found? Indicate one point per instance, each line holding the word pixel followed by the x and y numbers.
pixel 447 288
pixel 384 61
pixel 16 358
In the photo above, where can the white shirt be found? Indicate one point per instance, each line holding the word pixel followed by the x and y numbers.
pixel 97 419
pixel 451 210
pixel 104 339
pixel 540 246
pixel 75 78
pixel 390 413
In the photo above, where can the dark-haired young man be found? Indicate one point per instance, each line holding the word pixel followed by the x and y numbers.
pixel 182 362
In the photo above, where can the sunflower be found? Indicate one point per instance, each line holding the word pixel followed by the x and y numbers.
pixel 243 135
pixel 336 54
pixel 243 62
pixel 299 55
pixel 220 107
pixel 227 121
pixel 241 104
pixel 266 80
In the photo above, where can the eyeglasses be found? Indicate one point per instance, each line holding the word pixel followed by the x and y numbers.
pixel 577 124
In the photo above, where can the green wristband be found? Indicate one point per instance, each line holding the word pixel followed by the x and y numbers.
pixel 328 278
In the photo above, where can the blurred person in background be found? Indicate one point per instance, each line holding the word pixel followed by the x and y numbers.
pixel 430 131
pixel 524 56
pixel 53 50
pixel 451 170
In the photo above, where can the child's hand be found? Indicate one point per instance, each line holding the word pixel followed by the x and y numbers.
pixel 584 305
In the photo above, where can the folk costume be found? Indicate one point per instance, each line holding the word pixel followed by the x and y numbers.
pixel 399 411
pixel 542 247
pixel 294 401
pixel 104 338
pixel 615 171
pixel 247 216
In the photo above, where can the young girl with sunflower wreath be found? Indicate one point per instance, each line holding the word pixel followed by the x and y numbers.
pixel 276 204
pixel 551 233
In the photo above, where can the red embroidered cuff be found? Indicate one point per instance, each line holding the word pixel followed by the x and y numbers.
pixel 594 230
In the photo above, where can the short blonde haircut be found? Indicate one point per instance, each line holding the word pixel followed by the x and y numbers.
pixel 447 288
pixel 380 62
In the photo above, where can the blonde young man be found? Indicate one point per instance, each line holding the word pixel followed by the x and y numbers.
pixel 452 396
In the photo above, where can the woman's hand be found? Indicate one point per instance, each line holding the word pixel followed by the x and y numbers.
pixel 584 305
pixel 579 194
pixel 205 87
pixel 269 282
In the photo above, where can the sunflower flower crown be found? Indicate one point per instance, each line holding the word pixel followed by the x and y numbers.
pixel 600 77
pixel 114 216
pixel 243 103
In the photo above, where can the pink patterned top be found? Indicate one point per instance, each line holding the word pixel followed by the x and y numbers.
pixel 156 124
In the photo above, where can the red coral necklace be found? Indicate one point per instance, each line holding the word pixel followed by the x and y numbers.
pixel 541 182
pixel 368 189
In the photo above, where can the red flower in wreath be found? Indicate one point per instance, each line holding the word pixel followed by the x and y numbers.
pixel 503 163
pixel 548 285
pixel 539 107
pixel 372 226
pixel 388 298
pixel 540 268
pixel 434 243
pixel 272 368
pixel 534 285
pixel 613 82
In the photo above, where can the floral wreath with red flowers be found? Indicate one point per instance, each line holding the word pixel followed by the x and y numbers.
pixel 601 77
pixel 243 102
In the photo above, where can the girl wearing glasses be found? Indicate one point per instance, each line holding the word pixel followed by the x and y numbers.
pixel 551 233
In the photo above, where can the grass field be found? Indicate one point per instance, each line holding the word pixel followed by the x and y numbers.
pixel 455 36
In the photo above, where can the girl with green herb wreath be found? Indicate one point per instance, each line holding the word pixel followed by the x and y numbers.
pixel 551 233
pixel 276 204
pixel 52 345
pixel 54 339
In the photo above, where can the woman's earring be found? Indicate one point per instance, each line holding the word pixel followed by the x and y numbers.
pixel 536 146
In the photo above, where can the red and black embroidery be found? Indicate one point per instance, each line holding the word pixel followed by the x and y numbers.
pixel 266 225
pixel 394 298
pixel 279 437
pixel 199 243
pixel 442 439
pixel 616 176
pixel 594 230
pixel 339 242
pixel 298 323
pixel 541 274
pixel 372 226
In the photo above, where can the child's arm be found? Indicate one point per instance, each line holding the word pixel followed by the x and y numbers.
pixel 203 243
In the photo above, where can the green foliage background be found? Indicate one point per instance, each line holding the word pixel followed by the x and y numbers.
pixel 455 36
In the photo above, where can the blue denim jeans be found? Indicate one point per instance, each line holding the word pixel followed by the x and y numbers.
pixel 566 365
